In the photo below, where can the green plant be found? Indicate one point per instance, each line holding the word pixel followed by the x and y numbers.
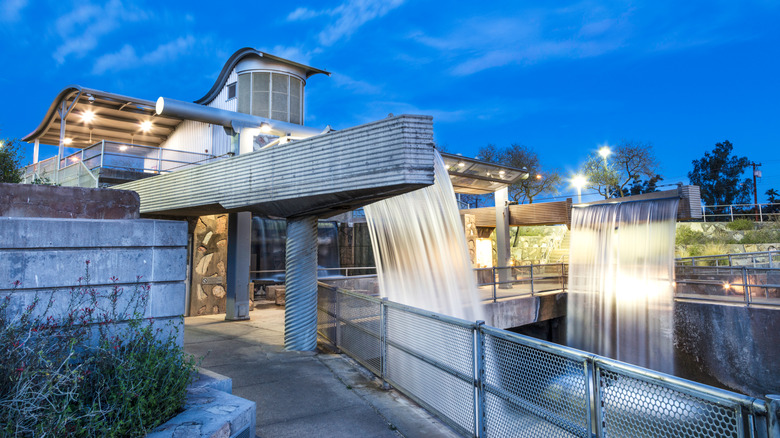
pixel 10 161
pixel 741 225
pixel 94 367
pixel 687 236
pixel 764 235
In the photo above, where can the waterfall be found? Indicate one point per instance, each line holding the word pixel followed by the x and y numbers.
pixel 420 250
pixel 621 280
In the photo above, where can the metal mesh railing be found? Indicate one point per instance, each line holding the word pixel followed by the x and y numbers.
pixel 636 403
pixel 530 391
pixel 488 382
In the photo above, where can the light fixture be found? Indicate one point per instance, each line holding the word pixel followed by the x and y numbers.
pixel 579 182
pixel 123 148
pixel 726 285
pixel 604 152
pixel 87 116
pixel 67 141
pixel 2 143
pixel 538 176
pixel 501 172
pixel 265 127
pixel 91 98
pixel 461 164
pixel 74 159
pixel 146 126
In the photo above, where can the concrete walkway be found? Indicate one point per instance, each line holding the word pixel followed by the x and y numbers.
pixel 302 394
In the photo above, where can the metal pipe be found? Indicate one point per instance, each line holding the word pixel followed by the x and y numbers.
pixel 300 309
pixel 230 119
pixel 479 378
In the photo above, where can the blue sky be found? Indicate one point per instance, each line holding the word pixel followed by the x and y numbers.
pixel 560 77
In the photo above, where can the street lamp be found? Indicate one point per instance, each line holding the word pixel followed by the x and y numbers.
pixel 579 182
pixel 604 152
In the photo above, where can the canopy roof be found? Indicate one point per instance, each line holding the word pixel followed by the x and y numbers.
pixel 114 117
pixel 474 177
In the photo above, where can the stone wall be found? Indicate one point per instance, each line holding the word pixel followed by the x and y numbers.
pixel 209 261
pixel 717 238
pixel 29 200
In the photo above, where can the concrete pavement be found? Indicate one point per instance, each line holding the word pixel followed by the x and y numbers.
pixel 302 394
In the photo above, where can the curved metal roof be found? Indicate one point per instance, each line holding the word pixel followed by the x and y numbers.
pixel 117 118
pixel 236 58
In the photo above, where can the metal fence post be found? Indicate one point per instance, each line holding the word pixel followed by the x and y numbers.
pixel 383 342
pixel 731 212
pixel 760 213
pixel 159 160
pixel 102 152
pixel 338 321
pixel 745 286
pixel 730 263
pixel 597 400
pixel 532 279
pixel 479 378
pixel 493 271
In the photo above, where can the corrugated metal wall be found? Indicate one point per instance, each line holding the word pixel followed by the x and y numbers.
pixel 203 137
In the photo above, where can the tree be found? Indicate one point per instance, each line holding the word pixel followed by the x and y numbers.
pixel 649 186
pixel 539 181
pixel 719 176
pixel 773 197
pixel 10 161
pixel 627 164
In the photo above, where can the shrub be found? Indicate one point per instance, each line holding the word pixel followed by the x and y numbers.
pixel 687 236
pixel 741 225
pixel 96 368
pixel 764 235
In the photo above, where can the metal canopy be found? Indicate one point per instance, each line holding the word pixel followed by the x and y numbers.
pixel 474 177
pixel 115 118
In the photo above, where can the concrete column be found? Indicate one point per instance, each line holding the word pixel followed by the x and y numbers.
pixel 35 151
pixel 238 254
pixel 300 281
pixel 502 234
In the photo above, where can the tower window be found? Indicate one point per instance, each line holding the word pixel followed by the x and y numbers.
pixel 231 91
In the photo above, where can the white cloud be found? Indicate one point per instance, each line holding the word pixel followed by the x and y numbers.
pixel 355 86
pixel 303 14
pixel 127 58
pixel 292 53
pixel 11 10
pixel 347 17
pixel 82 28
pixel 535 36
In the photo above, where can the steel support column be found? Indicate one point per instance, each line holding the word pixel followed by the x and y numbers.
pixel 238 254
pixel 300 281
pixel 502 236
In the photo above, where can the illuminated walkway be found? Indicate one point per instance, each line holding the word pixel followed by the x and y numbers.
pixel 301 394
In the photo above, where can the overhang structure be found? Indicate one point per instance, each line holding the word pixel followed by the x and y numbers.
pixel 320 176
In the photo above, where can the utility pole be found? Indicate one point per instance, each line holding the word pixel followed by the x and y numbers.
pixel 756 173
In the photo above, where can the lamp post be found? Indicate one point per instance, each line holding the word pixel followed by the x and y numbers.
pixel 579 182
pixel 604 151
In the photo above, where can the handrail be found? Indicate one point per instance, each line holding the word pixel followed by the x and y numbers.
pixel 590 387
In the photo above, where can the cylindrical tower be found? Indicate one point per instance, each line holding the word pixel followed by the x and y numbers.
pixel 270 88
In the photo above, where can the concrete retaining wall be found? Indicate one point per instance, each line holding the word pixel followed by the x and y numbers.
pixel 49 255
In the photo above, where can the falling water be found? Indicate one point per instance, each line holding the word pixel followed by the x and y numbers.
pixel 621 274
pixel 420 250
